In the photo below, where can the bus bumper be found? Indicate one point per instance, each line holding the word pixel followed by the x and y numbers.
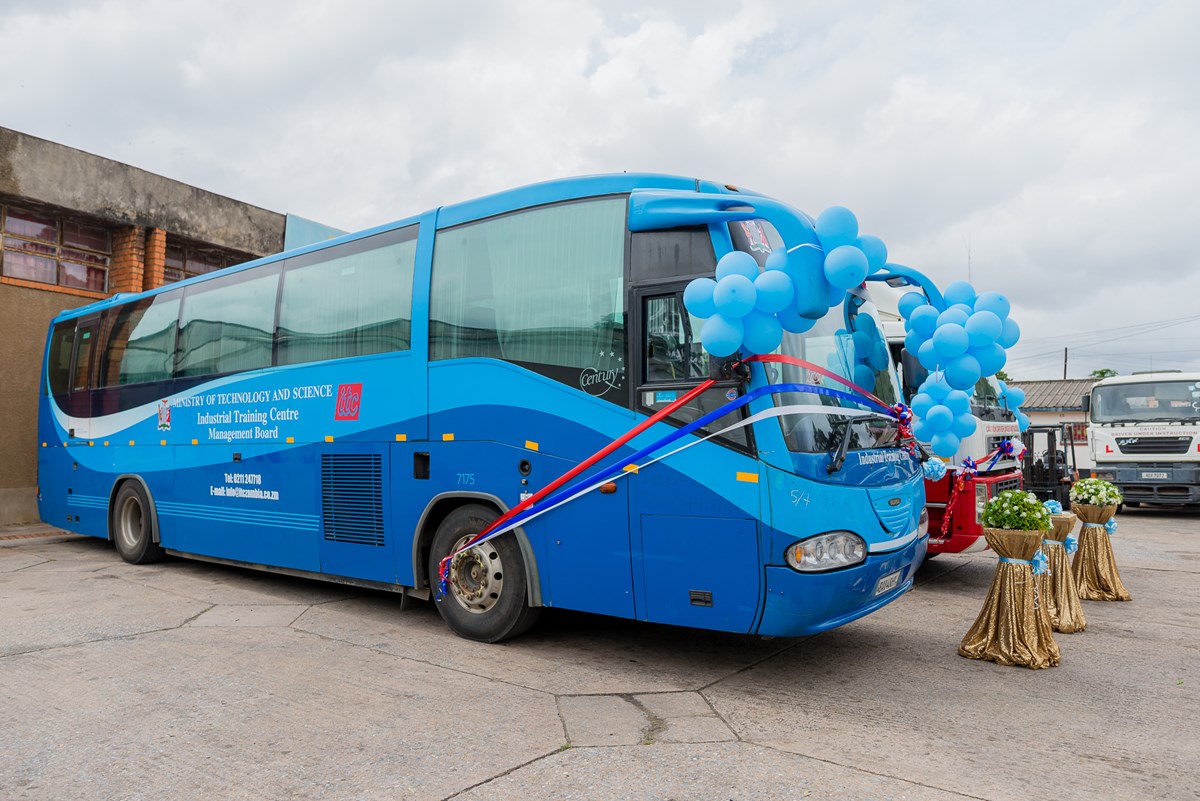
pixel 799 604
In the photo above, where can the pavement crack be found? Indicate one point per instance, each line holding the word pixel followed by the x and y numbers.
pixel 657 724
pixel 503 773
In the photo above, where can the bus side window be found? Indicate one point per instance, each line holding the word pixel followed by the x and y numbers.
pixel 58 366
pixel 672 348
pixel 84 338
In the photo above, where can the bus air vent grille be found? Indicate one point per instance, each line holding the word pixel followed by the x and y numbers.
pixel 352 497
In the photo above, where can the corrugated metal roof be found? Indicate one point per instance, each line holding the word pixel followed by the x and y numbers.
pixel 1045 396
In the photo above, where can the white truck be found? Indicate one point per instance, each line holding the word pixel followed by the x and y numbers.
pixel 1144 436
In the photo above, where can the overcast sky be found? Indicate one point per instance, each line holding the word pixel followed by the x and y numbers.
pixel 1056 143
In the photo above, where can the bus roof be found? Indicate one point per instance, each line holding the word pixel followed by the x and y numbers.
pixel 558 190
pixel 1147 378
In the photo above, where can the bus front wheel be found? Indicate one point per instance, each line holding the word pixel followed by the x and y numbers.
pixel 486 597
pixel 132 526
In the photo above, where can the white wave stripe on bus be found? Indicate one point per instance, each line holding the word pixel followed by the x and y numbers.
pixel 778 411
pixel 109 424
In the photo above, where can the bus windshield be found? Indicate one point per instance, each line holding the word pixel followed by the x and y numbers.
pixel 1149 402
pixel 851 345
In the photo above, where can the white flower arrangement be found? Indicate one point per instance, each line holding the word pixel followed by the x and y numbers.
pixel 1096 492
pixel 1016 510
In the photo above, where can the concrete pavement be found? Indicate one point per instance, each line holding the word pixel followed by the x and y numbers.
pixel 188 680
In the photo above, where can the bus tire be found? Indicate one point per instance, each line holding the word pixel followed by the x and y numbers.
pixel 487 593
pixel 132 525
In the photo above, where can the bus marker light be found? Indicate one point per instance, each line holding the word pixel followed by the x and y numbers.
pixel 43 444
pixel 531 445
pixel 609 488
pixel 162 442
pixel 291 440
pixel 130 442
pixel 328 438
pixel 402 438
pixel 630 468
pixel 195 442
pixel 90 443
pixel 106 443
pixel 447 438
pixel 751 478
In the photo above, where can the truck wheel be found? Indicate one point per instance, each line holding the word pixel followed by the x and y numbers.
pixel 487 588
pixel 132 525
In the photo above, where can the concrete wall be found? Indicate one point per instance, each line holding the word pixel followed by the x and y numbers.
pixel 26 314
pixel 62 176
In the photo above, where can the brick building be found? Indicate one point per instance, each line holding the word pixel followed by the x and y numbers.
pixel 75 228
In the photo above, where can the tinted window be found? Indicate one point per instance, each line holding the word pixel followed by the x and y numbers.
pixel 58 363
pixel 228 325
pixel 671 254
pixel 83 353
pixel 356 300
pixel 672 348
pixel 141 343
pixel 544 288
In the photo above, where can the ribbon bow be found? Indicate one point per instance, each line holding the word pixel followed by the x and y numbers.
pixel 1053 507
pixel 970 468
pixel 1071 543
pixel 1040 563
pixel 1111 526
pixel 934 469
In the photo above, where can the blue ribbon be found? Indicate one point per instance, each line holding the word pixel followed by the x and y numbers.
pixel 1039 563
pixel 1054 507
pixel 1071 544
pixel 934 469
pixel 691 427
pixel 1111 526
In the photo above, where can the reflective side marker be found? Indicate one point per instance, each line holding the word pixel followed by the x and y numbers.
pixel 447 438
pixel 130 442
pixel 106 443
pixel 531 445
pixel 162 442
pixel 630 468
pixel 43 444
pixel 90 443
pixel 402 438
pixel 750 478
pixel 328 439
pixel 290 440
pixel 195 442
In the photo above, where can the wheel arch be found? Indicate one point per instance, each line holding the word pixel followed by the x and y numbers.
pixel 438 508
pixel 153 510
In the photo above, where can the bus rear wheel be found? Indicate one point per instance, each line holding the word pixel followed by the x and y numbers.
pixel 132 525
pixel 486 597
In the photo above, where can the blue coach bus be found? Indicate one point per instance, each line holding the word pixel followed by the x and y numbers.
pixel 358 410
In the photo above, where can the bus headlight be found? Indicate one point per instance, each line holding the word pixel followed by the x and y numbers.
pixel 827 552
pixel 981 499
pixel 923 523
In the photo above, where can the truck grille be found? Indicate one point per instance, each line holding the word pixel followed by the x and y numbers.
pixel 1166 445
pixel 1007 484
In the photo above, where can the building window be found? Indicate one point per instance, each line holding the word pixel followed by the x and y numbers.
pixel 51 250
pixel 187 261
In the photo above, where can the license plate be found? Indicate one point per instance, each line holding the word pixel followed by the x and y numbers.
pixel 1154 475
pixel 888 582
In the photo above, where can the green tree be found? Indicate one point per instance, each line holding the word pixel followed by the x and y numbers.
pixel 1103 372
pixel 1002 376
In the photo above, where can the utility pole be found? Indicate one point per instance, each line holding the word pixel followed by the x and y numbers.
pixel 1064 364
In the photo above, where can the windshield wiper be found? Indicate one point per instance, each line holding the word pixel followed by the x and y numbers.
pixel 838 456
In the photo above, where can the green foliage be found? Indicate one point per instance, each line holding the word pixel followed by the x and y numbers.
pixel 1103 372
pixel 1016 510
pixel 1003 376
pixel 1095 491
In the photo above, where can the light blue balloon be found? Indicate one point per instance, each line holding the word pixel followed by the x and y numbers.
pixel 836 226
pixel 924 320
pixel 836 294
pixel 913 342
pixel 862 345
pixel 959 292
pixel 939 418
pixel 945 444
pixel 1011 333
pixel 1022 421
pixel 737 263
pixel 908 302
pixel 991 358
pixel 950 341
pixel 778 260
pixel 935 386
pixel 963 372
pixel 793 322
pixel 921 404
pixel 964 308
pixel 983 327
pixel 734 296
pixel 994 302
pixel 964 426
pixel 1003 387
pixel 879 356
pixel 806 266
pixel 958 402
pixel 864 376
pixel 773 291
pixel 845 267
pixel 875 250
pixel 698 297
pixel 1016 396
pixel 927 356
pixel 921 431
pixel 761 332
pixel 721 336
pixel 952 316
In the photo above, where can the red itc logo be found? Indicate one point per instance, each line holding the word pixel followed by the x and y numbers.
pixel 348 399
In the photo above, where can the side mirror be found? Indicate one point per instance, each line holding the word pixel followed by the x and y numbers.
pixel 914 372
pixel 1087 403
